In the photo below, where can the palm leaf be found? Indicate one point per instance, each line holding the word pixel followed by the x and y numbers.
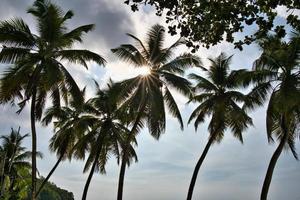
pixel 180 63
pixel 173 108
pixel 180 84
pixel 16 32
pixel 203 84
pixel 130 54
pixel 80 56
pixel 13 54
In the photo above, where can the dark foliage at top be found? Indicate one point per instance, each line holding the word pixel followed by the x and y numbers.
pixel 210 22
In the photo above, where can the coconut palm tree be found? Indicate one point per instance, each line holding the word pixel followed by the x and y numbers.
pixel 37 69
pixel 276 72
pixel 15 161
pixel 70 125
pixel 149 93
pixel 218 99
pixel 105 134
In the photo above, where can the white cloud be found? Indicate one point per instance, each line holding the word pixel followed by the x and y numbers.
pixel 283 11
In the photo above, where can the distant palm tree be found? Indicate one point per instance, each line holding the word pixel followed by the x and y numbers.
pixel 70 125
pixel 277 71
pixel 15 160
pixel 219 98
pixel 149 93
pixel 37 70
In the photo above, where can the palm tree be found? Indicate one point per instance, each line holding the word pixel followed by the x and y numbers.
pixel 218 99
pixel 149 93
pixel 105 134
pixel 276 72
pixel 37 69
pixel 71 123
pixel 15 161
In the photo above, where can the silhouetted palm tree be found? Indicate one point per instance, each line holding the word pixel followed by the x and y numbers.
pixel 276 72
pixel 148 94
pixel 70 125
pixel 106 134
pixel 37 70
pixel 219 99
pixel 15 160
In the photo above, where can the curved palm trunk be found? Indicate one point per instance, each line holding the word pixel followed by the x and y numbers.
pixel 197 168
pixel 48 176
pixel 121 179
pixel 272 164
pixel 88 181
pixel 124 158
pixel 33 135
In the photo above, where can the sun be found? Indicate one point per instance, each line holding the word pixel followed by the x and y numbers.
pixel 144 71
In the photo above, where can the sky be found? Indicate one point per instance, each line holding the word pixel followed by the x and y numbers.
pixel 231 170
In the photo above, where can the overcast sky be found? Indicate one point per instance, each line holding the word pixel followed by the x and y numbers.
pixel 231 171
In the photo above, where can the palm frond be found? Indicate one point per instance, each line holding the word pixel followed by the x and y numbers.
pixel 180 63
pixel 238 120
pixel 71 83
pixel 130 54
pixel 76 34
pixel 11 55
pixel 80 56
pixel 167 53
pixel 204 109
pixel 142 47
pixel 154 42
pixel 156 118
pixel 272 118
pixel 203 84
pixel 257 96
pixel 173 108
pixel 15 32
pixel 180 84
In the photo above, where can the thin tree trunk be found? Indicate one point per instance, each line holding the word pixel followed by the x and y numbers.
pixel 197 168
pixel 88 181
pixel 2 186
pixel 2 176
pixel 49 175
pixel 125 154
pixel 121 179
pixel 33 135
pixel 12 184
pixel 273 161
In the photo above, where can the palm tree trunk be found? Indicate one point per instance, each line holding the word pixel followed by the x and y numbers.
pixel 125 155
pixel 197 168
pixel 88 181
pixel 49 175
pixel 2 186
pixel 33 135
pixel 121 179
pixel 273 161
pixel 12 184
pixel 2 176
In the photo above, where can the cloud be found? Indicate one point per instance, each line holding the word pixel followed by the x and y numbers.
pixel 283 11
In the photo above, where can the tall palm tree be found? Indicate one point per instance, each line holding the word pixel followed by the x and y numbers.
pixel 71 123
pixel 277 72
pixel 149 93
pixel 37 69
pixel 15 161
pixel 218 99
pixel 105 134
